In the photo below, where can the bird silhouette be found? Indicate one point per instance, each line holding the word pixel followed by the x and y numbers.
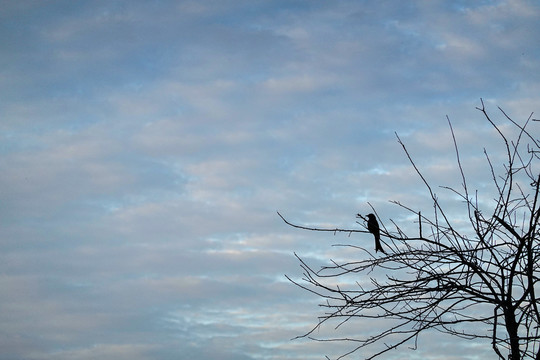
pixel 373 227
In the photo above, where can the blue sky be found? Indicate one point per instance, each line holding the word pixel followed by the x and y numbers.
pixel 145 147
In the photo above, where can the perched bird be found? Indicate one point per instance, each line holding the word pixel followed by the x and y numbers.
pixel 373 227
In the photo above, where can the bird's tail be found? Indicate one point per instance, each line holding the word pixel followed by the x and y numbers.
pixel 378 246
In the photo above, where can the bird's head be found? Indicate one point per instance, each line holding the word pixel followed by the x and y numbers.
pixel 370 216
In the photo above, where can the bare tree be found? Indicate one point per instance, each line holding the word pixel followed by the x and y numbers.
pixel 478 282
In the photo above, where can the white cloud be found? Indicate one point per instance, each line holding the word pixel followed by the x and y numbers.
pixel 146 147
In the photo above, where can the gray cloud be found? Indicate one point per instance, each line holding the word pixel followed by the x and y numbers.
pixel 145 147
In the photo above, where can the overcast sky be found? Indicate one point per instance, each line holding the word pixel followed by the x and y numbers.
pixel 145 147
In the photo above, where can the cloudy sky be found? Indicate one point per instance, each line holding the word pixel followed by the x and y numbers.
pixel 145 147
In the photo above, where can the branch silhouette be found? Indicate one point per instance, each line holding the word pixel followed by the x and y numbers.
pixel 478 282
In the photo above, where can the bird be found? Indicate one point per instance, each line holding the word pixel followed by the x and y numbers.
pixel 373 227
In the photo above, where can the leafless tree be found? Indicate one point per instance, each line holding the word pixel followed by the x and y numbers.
pixel 477 282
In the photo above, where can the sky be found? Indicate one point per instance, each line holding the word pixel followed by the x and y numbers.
pixel 145 147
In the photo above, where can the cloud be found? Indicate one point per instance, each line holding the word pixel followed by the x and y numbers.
pixel 145 148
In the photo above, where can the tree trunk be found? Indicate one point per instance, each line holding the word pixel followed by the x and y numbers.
pixel 512 328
